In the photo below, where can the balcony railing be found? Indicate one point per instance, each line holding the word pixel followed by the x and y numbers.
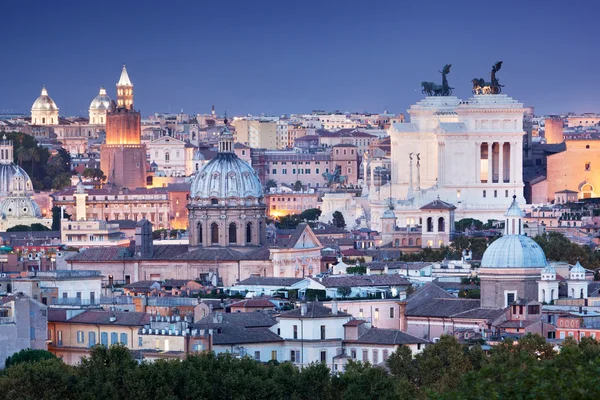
pixel 74 301
pixel 7 320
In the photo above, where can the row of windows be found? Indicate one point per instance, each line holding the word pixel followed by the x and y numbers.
pixel 495 193
pixel 91 338
pixel 301 171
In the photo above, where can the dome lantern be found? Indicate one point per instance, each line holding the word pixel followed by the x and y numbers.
pixel 514 219
pixel 226 140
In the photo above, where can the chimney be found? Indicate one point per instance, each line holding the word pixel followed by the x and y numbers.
pixel 386 270
pixel 334 307
pixel 303 309
pixel 402 315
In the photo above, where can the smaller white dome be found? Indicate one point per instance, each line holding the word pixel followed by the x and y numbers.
pixel 577 269
pixel 101 102
pixel 44 102
pixel 514 251
pixel 549 270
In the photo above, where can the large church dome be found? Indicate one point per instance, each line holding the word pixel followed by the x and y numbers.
pixel 101 102
pixel 514 251
pixel 44 102
pixel 226 176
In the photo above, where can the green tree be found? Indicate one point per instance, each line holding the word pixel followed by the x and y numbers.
pixel 312 214
pixel 56 218
pixel 34 157
pixel 94 173
pixel 297 186
pixel 344 291
pixel 270 183
pixel 61 181
pixel 338 220
pixel 22 156
pixel 28 355
pixel 441 365
pixel 26 228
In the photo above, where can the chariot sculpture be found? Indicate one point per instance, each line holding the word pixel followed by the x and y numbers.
pixel 480 86
pixel 432 89
pixel 336 178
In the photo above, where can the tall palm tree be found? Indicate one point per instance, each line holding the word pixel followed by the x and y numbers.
pixel 22 155
pixel 34 157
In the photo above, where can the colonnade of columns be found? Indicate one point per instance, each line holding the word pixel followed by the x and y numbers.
pixel 501 167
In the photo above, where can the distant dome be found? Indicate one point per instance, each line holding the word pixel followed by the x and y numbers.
pixel 514 251
pixel 44 102
pixel 7 172
pixel 226 176
pixel 101 102
pixel 389 214
pixel 19 207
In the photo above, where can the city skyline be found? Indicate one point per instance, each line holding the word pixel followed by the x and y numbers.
pixel 274 59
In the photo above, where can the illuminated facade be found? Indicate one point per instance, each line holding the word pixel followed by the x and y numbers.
pixel 466 153
pixel 123 157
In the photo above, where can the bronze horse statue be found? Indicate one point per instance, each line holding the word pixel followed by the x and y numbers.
pixel 480 86
pixel 432 89
pixel 336 177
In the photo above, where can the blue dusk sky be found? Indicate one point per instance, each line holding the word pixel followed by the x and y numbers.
pixel 287 56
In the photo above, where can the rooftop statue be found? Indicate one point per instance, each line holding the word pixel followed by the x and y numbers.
pixel 336 178
pixel 480 86
pixel 431 89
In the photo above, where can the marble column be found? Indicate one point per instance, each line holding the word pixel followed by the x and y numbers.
pixel 490 174
pixel 500 162
pixel 478 162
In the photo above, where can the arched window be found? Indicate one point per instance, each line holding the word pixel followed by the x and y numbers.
pixel 249 232
pixel 441 224
pixel 429 224
pixel 200 233
pixel 404 242
pixel 167 156
pixel 397 243
pixel 43 120
pixel 410 241
pixel 418 241
pixel 214 233
pixel 214 202
pixel 232 233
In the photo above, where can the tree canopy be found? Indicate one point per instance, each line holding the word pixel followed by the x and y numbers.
pixel 338 220
pixel 529 369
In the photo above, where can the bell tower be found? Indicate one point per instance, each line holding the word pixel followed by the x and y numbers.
pixel 123 156
pixel 125 90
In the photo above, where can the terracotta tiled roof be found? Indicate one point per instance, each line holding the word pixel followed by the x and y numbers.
pixel 269 281
pixel 388 336
pixel 365 281
pixel 253 303
pixel 438 205
pixel 103 318
pixel 313 310
pixel 444 307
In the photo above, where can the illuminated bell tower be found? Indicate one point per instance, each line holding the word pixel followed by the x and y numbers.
pixel 125 91
pixel 123 156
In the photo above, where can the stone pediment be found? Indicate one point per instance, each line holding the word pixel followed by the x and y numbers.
pixel 167 140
